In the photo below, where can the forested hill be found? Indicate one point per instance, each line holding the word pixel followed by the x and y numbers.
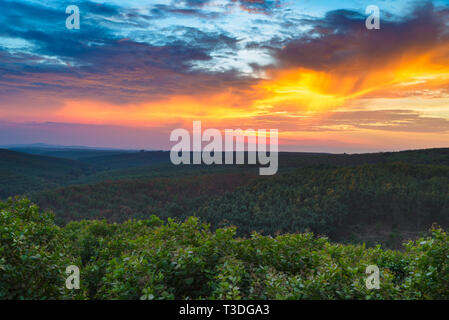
pixel 130 159
pixel 437 156
pixel 68 153
pixel 119 159
pixel 369 203
pixel 21 173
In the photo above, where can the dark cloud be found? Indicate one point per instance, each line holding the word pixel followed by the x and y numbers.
pixel 94 62
pixel 118 71
pixel 341 39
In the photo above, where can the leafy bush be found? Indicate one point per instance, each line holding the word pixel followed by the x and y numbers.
pixel 32 260
pixel 150 259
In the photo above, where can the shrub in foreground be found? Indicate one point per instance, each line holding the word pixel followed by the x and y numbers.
pixel 149 259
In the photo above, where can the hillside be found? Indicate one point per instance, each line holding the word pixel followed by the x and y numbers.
pixel 21 173
pixel 129 160
pixel 374 198
pixel 384 203
pixel 428 156
pixel 67 153
pixel 121 200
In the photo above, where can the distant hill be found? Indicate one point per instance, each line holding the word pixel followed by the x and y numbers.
pixel 41 145
pixel 129 159
pixel 24 172
pixel 73 154
pixel 126 160
pixel 426 156
pixel 66 152
pixel 21 172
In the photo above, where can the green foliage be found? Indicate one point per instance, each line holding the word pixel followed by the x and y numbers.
pixel 32 259
pixel 150 259
pixel 430 269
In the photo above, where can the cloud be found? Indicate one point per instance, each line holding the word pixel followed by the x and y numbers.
pixel 258 6
pixel 387 120
pixel 340 39
pixel 381 120
pixel 95 62
pixel 193 3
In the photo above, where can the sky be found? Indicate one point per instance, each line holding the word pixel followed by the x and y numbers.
pixel 135 70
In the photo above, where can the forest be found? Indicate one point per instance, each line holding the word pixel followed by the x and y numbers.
pixel 139 227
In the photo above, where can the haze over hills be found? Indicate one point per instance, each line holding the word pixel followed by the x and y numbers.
pixel 42 145
pixel 61 151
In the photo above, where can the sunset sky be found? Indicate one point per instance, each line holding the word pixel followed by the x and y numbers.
pixel 136 70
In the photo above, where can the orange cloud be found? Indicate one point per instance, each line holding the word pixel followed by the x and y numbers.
pixel 298 95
